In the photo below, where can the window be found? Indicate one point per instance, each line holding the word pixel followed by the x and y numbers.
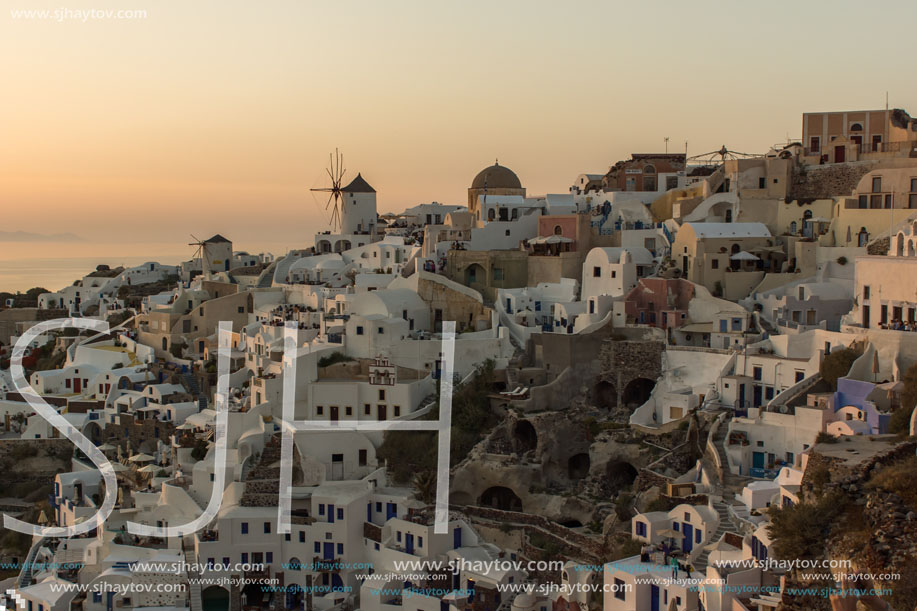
pixel 317 547
pixel 244 528
pixel 340 548
pixel 398 536
pixel 756 373
pixel 714 263
pixel 876 184
pixel 862 202
pixel 359 330
pixel 269 557
pixel 800 376
pixel 620 589
pixel 302 536
pixel 348 410
pixel 736 324
pixel 419 541
pixel 913 185
pixel 912 200
pixel 614 273
pixel 866 292
pixel 267 528
pixel 888 200
pixel 321 509
pixel 319 410
pixel 397 411
pixel 498 273
pixel 762 183
pixel 815 144
pixel 244 558
pixel 340 513
pixel 641 529
pixel 687 517
pixel 596 272
pixel 241 309
pixel 382 395
pixel 381 330
pixel 378 507
pixel 362 458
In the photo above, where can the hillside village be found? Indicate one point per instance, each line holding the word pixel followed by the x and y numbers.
pixel 669 382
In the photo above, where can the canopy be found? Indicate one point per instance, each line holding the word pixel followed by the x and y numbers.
pixel 150 469
pixel 668 533
pixel 140 458
pixel 550 239
pixel 744 256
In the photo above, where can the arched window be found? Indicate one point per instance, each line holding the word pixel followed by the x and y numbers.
pixel 856 127
pixel 490 214
pixel 648 169
pixel 558 230
pixel 807 214
pixel 735 249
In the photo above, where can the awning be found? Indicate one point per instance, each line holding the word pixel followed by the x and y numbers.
pixel 744 256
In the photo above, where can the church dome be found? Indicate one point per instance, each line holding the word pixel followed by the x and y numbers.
pixel 496 177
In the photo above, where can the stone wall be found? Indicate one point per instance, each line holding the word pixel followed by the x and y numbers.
pixel 622 362
pixel 825 181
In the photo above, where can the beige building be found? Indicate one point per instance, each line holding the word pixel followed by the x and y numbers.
pixel 883 198
pixel 729 259
pixel 886 286
pixel 836 137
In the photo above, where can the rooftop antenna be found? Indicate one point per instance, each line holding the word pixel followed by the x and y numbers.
pixel 201 253
pixel 666 145
pixel 335 171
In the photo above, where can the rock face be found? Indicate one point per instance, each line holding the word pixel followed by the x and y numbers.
pixel 551 465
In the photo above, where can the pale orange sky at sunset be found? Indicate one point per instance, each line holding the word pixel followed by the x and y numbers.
pixel 218 116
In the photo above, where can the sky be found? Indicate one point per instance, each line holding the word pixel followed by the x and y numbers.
pixel 214 116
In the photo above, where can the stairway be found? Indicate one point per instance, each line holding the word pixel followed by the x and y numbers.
pixel 194 575
pixel 700 564
pixel 195 389
pixel 731 482
pixel 25 576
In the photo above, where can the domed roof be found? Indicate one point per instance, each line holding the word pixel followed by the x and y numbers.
pixel 496 177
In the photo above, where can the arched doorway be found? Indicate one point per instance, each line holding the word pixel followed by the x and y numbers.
pixel 525 438
pixel 475 274
pixel 605 395
pixel 215 598
pixel 578 466
pixel 502 498
pixel 638 391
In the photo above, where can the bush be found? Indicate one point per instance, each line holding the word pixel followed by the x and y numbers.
pixel 842 260
pixel 837 364
pixel 824 437
pixel 898 478
pixel 410 452
pixel 334 357
pixel 800 531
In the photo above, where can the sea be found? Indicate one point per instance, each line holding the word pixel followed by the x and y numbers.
pixel 52 265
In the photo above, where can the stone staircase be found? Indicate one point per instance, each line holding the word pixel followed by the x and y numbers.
pixel 194 575
pixel 195 389
pixel 731 481
pixel 700 564
pixel 25 576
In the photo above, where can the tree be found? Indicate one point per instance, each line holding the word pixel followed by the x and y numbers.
pixel 901 418
pixel 425 482
pixel 837 365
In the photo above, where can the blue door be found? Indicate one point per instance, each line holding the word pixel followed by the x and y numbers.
pixel 757 460
pixel 654 598
pixel 457 538
pixel 688 542
pixel 391 511
pixel 328 551
pixel 409 543
pixel 331 514
pixel 369 512
pixel 337 584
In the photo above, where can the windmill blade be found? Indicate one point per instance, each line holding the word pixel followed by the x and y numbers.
pixel 333 196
